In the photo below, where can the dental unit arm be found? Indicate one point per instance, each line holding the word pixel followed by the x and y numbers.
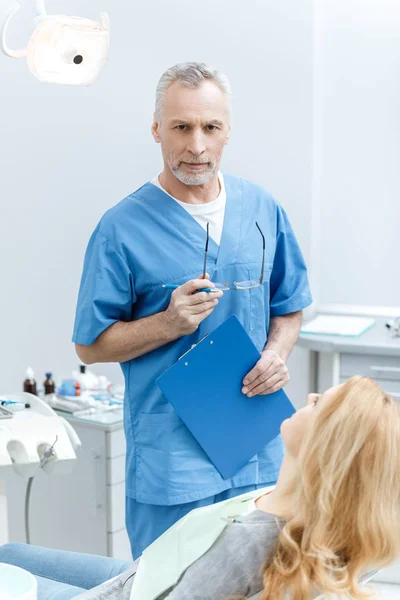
pixel 40 9
pixel 36 437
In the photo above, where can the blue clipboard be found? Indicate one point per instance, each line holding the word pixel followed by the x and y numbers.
pixel 204 387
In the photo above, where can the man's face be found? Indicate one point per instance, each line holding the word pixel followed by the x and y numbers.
pixel 193 129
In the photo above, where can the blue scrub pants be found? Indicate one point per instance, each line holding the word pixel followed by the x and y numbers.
pixel 146 522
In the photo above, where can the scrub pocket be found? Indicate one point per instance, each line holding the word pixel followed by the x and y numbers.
pixel 259 299
pixel 170 462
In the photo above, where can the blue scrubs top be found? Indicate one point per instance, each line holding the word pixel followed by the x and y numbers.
pixel 147 240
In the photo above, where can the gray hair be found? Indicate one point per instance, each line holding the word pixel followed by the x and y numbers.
pixel 190 74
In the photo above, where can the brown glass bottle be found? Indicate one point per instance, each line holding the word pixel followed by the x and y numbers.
pixel 49 385
pixel 30 383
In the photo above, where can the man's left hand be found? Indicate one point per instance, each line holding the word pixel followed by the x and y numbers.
pixel 269 375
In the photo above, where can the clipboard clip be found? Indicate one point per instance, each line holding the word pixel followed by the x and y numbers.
pixel 194 346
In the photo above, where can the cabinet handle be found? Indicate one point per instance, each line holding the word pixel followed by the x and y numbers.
pixel 97 471
pixel 378 369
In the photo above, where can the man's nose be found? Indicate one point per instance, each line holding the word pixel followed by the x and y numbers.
pixel 196 145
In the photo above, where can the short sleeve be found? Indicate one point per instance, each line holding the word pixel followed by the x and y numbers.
pixel 289 287
pixel 106 293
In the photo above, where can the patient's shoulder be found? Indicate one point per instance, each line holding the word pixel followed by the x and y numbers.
pixel 233 564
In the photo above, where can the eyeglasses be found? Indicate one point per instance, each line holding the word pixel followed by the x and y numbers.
pixel 237 285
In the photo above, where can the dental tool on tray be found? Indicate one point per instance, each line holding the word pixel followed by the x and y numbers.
pixel 87 403
pixel 5 413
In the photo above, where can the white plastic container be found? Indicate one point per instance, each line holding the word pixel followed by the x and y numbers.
pixel 16 584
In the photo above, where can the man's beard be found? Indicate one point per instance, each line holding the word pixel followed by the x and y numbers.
pixel 192 178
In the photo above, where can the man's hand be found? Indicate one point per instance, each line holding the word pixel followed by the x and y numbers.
pixel 188 308
pixel 269 375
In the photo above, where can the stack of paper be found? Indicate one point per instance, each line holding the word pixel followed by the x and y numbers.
pixel 338 325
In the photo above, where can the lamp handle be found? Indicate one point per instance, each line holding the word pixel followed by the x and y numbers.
pixel 8 51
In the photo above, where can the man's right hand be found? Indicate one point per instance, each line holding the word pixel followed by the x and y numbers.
pixel 188 308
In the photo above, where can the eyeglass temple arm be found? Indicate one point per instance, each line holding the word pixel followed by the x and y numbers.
pixel 263 257
pixel 206 251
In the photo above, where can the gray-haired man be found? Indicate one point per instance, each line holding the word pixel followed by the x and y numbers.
pixel 157 236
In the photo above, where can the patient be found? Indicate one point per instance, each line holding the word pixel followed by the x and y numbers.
pixel 334 514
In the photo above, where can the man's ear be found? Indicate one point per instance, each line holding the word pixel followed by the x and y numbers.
pixel 155 130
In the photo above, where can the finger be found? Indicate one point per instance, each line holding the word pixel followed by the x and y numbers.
pixel 197 309
pixel 202 297
pixel 268 362
pixel 262 389
pixel 271 382
pixel 272 370
pixel 252 375
pixel 265 392
pixel 206 283
pixel 191 286
pixel 282 370
pixel 275 365
pixel 262 365
pixel 256 382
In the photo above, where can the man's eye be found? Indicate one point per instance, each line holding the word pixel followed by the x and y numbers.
pixel 211 127
pixel 180 127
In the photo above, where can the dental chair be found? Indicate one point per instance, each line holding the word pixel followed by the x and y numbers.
pixel 66 567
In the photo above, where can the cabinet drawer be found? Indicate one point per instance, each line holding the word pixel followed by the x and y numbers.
pixel 115 470
pixel 391 387
pixel 116 443
pixel 377 367
pixel 116 506
pixel 119 545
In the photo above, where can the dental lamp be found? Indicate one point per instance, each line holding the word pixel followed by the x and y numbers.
pixel 63 49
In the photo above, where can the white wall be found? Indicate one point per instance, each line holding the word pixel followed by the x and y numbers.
pixel 69 153
pixel 357 151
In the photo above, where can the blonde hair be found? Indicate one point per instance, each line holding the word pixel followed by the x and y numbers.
pixel 347 516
